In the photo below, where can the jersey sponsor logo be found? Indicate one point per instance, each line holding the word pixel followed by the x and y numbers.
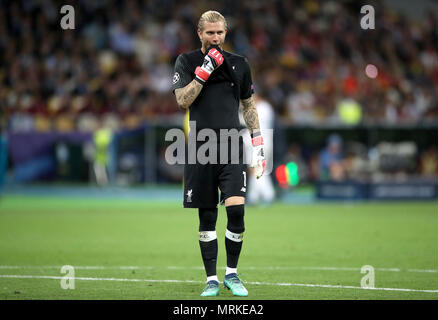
pixel 176 78
pixel 189 195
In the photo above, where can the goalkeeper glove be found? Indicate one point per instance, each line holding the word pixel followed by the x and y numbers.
pixel 258 160
pixel 212 60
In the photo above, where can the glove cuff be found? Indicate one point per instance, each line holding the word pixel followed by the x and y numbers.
pixel 201 74
pixel 257 139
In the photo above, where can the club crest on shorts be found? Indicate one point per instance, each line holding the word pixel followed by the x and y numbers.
pixel 189 195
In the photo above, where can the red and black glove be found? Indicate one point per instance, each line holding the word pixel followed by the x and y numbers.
pixel 212 60
pixel 258 154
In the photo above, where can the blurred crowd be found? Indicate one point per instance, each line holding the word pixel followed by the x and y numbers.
pixel 308 58
pixel 341 160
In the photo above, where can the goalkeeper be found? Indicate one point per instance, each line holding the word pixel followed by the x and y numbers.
pixel 210 83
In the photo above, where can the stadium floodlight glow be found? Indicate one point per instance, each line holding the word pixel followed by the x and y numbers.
pixel 287 175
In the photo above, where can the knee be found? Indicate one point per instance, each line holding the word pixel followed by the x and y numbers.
pixel 207 219
pixel 234 200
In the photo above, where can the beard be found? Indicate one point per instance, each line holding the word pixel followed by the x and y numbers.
pixel 207 44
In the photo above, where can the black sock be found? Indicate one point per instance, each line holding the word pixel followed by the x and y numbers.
pixel 233 252
pixel 234 234
pixel 209 256
pixel 208 240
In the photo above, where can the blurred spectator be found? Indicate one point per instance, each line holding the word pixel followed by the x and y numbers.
pixel 331 165
pixel 300 105
pixel 102 141
pixel 261 190
pixel 349 111
pixel 429 162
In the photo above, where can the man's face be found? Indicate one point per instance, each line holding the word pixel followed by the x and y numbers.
pixel 212 34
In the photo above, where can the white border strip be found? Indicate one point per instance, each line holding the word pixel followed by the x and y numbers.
pixel 194 281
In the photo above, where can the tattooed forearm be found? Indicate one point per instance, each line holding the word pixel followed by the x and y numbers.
pixel 250 115
pixel 185 96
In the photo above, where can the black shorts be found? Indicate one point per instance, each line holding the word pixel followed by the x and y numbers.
pixel 202 182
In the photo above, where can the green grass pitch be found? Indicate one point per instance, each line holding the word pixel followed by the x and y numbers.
pixel 134 249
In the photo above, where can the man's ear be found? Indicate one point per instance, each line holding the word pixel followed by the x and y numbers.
pixel 199 34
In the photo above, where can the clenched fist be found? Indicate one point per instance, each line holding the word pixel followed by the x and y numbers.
pixel 212 60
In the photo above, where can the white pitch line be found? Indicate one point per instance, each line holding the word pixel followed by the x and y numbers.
pixel 81 267
pixel 422 270
pixel 201 268
pixel 194 281
pixel 94 279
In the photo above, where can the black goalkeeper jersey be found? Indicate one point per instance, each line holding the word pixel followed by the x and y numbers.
pixel 217 105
